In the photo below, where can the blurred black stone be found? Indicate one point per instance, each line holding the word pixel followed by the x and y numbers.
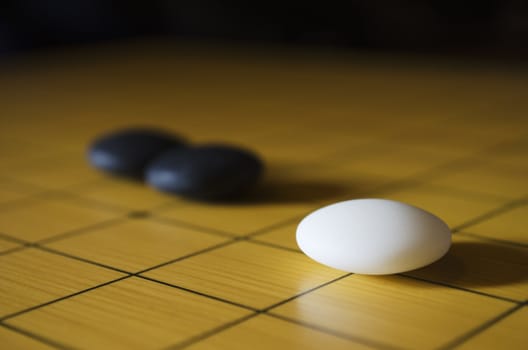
pixel 210 172
pixel 127 152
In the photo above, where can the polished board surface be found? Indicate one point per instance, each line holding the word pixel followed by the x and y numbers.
pixel 88 261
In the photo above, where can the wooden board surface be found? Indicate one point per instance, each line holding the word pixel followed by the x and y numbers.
pixel 92 262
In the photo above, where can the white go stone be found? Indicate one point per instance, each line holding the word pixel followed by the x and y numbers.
pixel 373 236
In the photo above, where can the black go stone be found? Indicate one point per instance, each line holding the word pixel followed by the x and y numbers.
pixel 127 152
pixel 210 172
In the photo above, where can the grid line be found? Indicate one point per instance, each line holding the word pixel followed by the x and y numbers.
pixel 214 247
pixel 12 239
pixel 469 290
pixel 192 291
pixel 360 340
pixel 82 230
pixel 492 213
pixel 36 337
pixel 14 314
pixel 481 328
pixel 13 250
pixel 493 240
pixel 78 258
pixel 265 310
pixel 411 181
pixel 211 332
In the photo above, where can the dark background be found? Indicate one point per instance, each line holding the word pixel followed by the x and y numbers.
pixel 494 28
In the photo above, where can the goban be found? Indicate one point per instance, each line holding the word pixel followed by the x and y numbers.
pixel 89 261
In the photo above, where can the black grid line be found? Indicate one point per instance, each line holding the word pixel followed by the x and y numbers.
pixel 211 248
pixel 71 191
pixel 12 239
pixel 296 296
pixel 405 182
pixel 191 226
pixel 13 250
pixel 237 239
pixel 36 337
pixel 493 240
pixel 369 147
pixel 436 170
pixel 29 199
pixel 78 258
pixel 262 230
pixel 273 245
pixel 275 226
pixel 464 193
pixel 14 314
pixel 192 291
pixel 360 340
pixel 384 188
pixel 468 290
pixel 82 230
pixel 80 200
pixel 197 338
pixel 423 176
pixel 265 310
pixel 67 234
pixel 492 213
pixel 452 286
pixel 481 328
pixel 112 282
pixel 199 293
pixel 96 204
pixel 190 255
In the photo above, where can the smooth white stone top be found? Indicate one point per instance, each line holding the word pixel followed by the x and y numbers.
pixel 373 236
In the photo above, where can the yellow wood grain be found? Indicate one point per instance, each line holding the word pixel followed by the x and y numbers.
pixel 43 218
pixel 13 340
pixel 136 244
pixel 129 314
pixel 10 191
pixel 283 236
pixel 237 219
pixel 394 310
pixel 489 267
pixel 392 161
pixel 7 245
pixel 289 146
pixel 57 172
pixel 131 195
pixel 31 277
pixel 17 151
pixel 489 178
pixel 509 332
pixel 453 206
pixel 6 194
pixel 511 154
pixel 458 136
pixel 247 273
pixel 443 135
pixel 510 225
pixel 265 332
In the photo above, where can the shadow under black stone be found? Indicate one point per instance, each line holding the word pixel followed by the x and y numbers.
pixel 290 192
